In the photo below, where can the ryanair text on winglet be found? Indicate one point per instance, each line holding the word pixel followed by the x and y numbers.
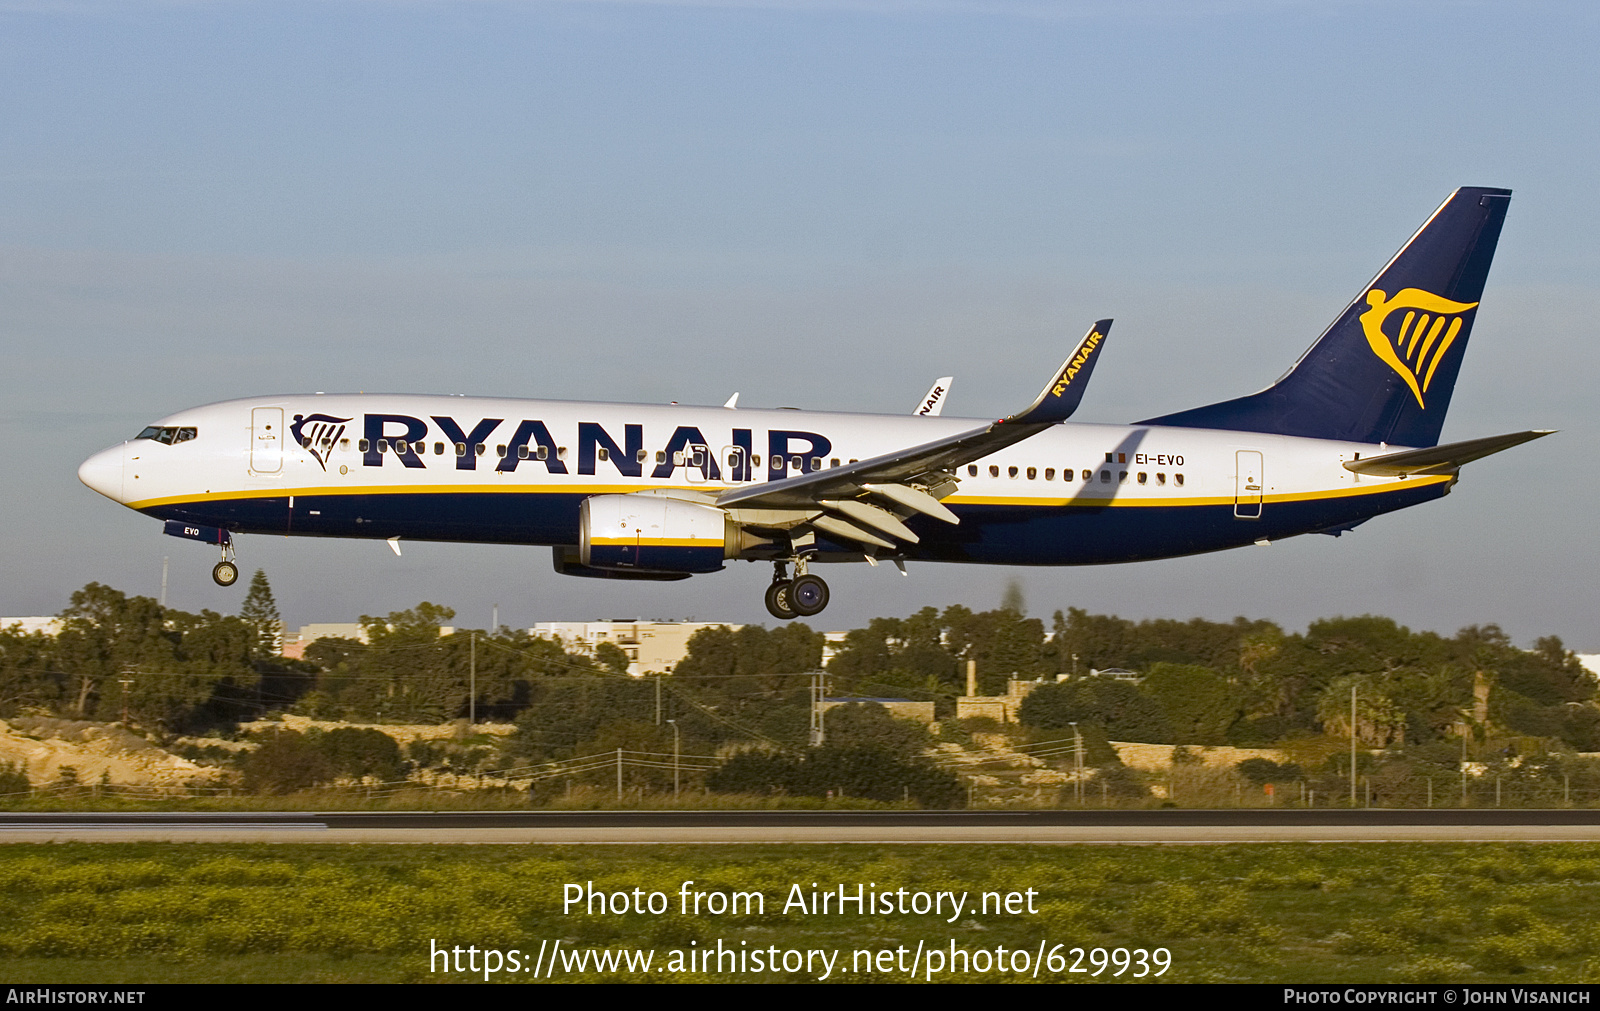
pixel 1090 344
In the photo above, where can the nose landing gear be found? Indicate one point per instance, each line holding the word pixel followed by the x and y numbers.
pixel 225 572
pixel 800 597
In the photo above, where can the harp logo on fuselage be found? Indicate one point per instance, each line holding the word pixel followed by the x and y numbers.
pixel 317 434
pixel 1411 331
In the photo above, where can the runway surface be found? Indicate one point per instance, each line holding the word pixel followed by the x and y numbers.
pixel 1167 826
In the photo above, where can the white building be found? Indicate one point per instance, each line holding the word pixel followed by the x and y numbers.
pixel 294 645
pixel 652 647
pixel 37 623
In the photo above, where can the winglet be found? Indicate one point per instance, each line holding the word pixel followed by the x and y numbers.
pixel 933 402
pixel 1064 392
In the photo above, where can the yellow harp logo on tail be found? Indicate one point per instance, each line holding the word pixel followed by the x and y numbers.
pixel 1414 343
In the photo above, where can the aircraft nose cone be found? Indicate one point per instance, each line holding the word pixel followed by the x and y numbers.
pixel 103 473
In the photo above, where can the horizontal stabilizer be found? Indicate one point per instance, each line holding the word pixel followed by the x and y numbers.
pixel 1062 395
pixel 1440 459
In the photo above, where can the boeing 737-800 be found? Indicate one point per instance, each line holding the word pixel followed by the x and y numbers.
pixel 664 492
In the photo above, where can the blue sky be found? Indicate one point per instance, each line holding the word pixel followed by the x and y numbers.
pixel 816 204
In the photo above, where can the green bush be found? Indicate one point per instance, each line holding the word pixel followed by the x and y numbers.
pixel 866 773
pixel 1120 709
pixel 285 762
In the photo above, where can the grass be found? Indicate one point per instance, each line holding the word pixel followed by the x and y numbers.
pixel 1370 913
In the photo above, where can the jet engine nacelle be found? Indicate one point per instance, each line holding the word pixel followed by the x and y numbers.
pixel 653 533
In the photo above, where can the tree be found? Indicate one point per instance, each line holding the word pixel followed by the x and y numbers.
pixel 1199 703
pixel 1115 706
pixel 870 725
pixel 359 752
pixel 260 612
pixel 612 657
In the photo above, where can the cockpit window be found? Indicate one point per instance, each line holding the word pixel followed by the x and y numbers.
pixel 168 436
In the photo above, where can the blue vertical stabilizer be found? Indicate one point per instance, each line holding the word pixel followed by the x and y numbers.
pixel 1385 369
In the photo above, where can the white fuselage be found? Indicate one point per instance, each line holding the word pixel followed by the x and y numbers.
pixel 470 469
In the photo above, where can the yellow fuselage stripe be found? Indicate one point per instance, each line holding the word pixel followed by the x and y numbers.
pixel 1124 501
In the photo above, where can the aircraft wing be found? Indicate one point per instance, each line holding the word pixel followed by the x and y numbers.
pixel 868 499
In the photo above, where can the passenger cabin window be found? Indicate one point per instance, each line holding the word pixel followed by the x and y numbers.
pixel 1049 473
pixel 522 452
pixel 642 455
pixel 994 471
pixel 972 470
pixel 1143 477
pixel 1086 475
pixel 499 451
pixel 438 449
pixel 383 445
pixel 1012 473
pixel 1177 479
pixel 661 456
pixel 755 461
pixel 461 449
pixel 1033 473
pixel 364 446
pixel 1161 478
pixel 1105 477
pixel 604 454
pixel 1122 477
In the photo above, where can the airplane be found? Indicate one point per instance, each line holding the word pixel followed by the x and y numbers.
pixel 663 492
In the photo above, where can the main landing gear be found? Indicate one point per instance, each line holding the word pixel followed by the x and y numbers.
pixel 800 597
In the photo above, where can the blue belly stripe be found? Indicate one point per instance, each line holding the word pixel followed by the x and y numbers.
pixel 989 534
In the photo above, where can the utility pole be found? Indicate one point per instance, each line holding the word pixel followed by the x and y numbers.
pixel 619 774
pixel 494 626
pixel 163 582
pixel 1352 746
pixel 675 753
pixel 472 684
pixel 818 734
pixel 1077 764
pixel 658 698
pixel 125 681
